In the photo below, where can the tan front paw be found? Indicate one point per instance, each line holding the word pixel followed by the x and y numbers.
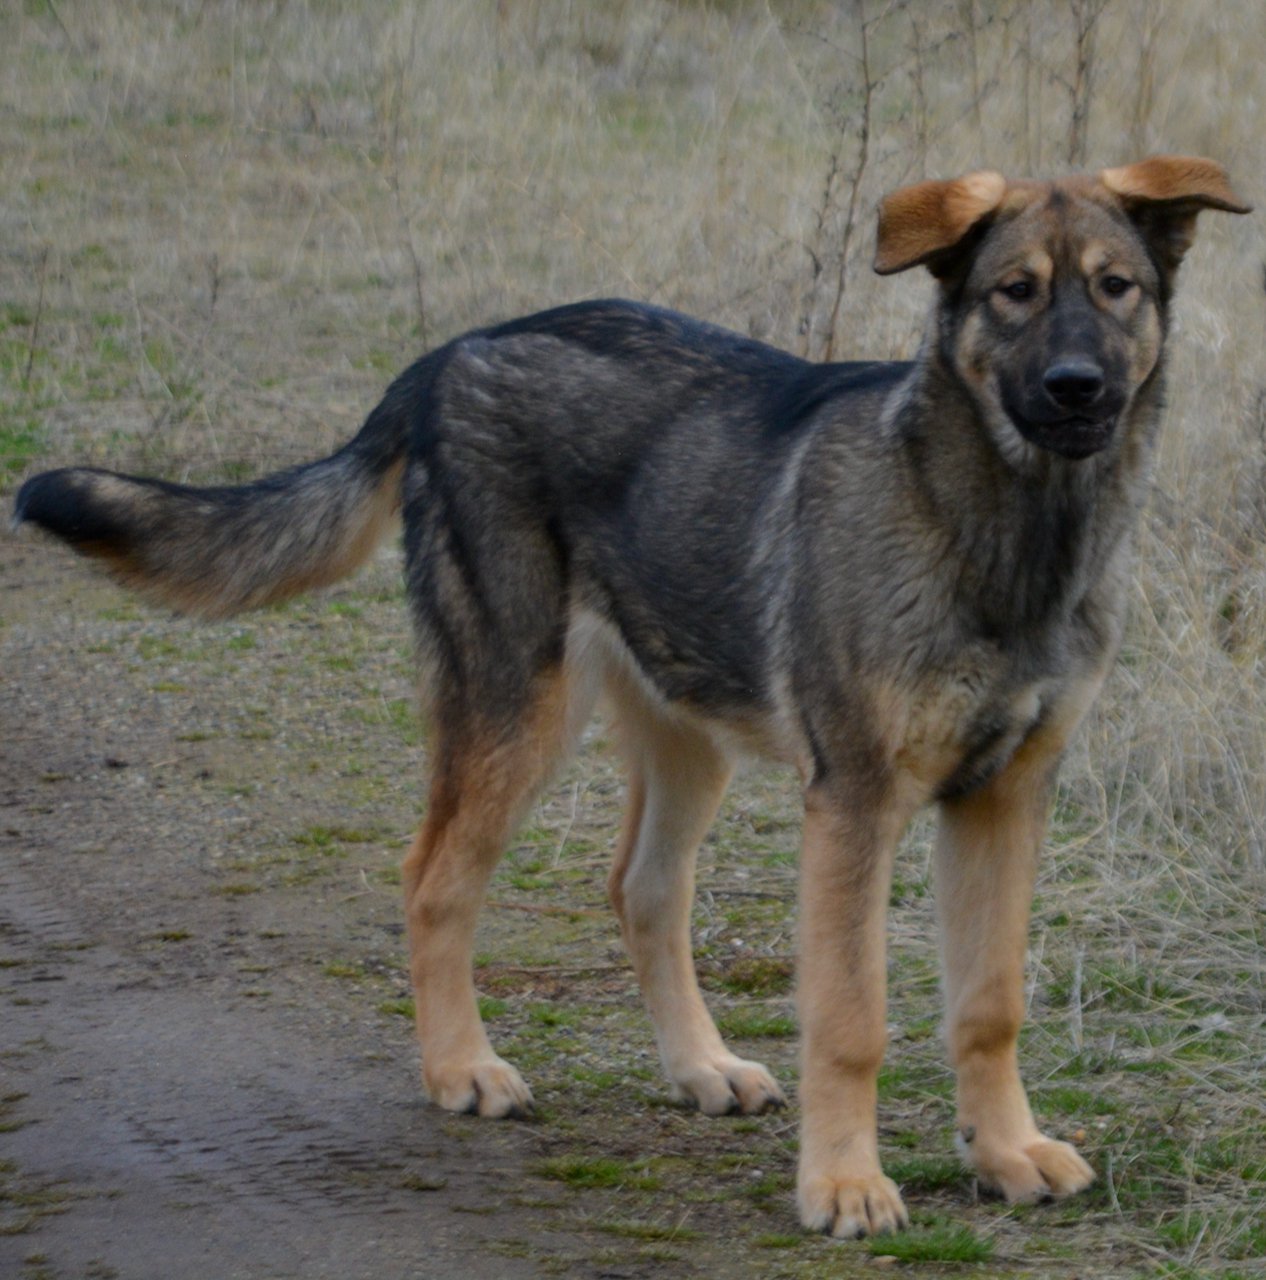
pixel 1040 1169
pixel 726 1085
pixel 851 1207
pixel 488 1086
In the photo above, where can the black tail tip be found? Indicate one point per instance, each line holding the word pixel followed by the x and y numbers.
pixel 64 503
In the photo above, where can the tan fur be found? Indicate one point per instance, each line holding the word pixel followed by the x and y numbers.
pixel 843 907
pixel 1175 178
pixel 219 596
pixel 985 864
pixel 677 778
pixel 922 220
pixel 478 796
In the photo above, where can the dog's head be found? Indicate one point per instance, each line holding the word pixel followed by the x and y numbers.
pixel 1054 294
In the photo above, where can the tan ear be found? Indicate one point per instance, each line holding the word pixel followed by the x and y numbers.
pixel 1175 178
pixel 918 223
pixel 1163 195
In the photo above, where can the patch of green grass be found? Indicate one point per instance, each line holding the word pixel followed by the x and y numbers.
pixel 150 647
pixel 400 713
pixel 1125 988
pixel 23 1201
pixel 343 969
pixel 635 1230
pixel 401 1007
pixel 1189 1229
pixel 328 838
pixel 923 1172
pixel 548 1015
pixel 1072 1100
pixel 342 609
pixel 910 1079
pixel 768 1188
pixel 20 442
pixel 937 1242
pixel 126 612
pixel 525 883
pixel 758 976
pixel 907 891
pixel 16 314
pixel 599 1171
pixel 748 1024
pixel 237 889
pixel 778 1240
pixel 593 1077
pixel 90 255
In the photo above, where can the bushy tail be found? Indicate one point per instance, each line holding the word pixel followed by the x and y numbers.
pixel 217 551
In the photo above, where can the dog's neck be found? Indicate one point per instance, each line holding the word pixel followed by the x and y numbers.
pixel 1026 528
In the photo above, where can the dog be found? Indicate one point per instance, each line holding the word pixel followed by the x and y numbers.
pixel 905 578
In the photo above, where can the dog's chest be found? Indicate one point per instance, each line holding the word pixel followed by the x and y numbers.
pixel 962 724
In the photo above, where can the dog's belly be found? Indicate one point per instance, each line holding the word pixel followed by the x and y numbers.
pixel 602 663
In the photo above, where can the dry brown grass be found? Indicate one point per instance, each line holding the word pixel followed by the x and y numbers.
pixel 227 225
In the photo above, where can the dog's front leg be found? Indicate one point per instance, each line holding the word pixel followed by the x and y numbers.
pixel 850 835
pixel 986 860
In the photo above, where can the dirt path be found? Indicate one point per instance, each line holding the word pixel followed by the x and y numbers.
pixel 196 952
pixel 190 1131
pixel 186 1096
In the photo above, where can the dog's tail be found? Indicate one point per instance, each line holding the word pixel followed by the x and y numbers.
pixel 213 552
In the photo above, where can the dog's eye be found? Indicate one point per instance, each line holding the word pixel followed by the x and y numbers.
pixel 1116 286
pixel 1017 290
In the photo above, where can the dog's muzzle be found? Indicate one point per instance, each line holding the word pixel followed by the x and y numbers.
pixel 1072 414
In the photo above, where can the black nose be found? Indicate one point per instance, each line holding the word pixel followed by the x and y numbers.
pixel 1073 384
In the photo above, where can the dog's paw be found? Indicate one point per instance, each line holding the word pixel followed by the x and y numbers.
pixel 1043 1169
pixel 488 1086
pixel 726 1085
pixel 851 1207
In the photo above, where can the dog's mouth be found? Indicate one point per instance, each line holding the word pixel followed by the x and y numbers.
pixel 1073 437
pixel 1074 426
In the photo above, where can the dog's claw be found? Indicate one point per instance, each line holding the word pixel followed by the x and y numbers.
pixel 728 1085
pixel 491 1088
pixel 1033 1173
pixel 851 1208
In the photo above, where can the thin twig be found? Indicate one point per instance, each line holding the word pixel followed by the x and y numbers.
pixel 859 173
pixel 393 180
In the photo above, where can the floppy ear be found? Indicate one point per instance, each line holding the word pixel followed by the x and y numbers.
pixel 1162 196
pixel 918 223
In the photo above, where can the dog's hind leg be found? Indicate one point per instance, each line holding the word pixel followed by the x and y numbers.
pixel 986 861
pixel 677 779
pixel 484 780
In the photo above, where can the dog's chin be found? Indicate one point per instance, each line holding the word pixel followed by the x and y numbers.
pixel 1071 438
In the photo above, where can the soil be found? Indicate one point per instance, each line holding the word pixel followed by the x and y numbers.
pixel 199 1077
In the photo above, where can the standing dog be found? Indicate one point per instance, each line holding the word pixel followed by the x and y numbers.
pixel 905 578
